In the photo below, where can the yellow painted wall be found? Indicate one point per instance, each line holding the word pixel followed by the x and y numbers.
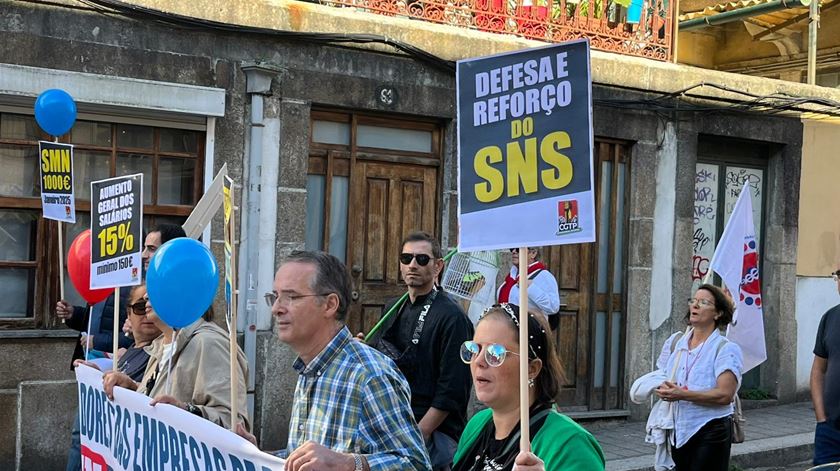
pixel 819 200
pixel 697 48
pixel 737 45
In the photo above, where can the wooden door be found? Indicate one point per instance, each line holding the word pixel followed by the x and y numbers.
pixel 590 336
pixel 387 201
pixel 570 264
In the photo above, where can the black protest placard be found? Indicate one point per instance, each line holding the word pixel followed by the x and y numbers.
pixel 525 148
pixel 56 165
pixel 116 231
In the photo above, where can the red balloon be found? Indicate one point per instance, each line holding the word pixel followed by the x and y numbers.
pixel 78 264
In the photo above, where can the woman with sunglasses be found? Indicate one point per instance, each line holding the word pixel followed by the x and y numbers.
pixel 491 438
pixel 131 361
pixel 191 372
pixel 705 372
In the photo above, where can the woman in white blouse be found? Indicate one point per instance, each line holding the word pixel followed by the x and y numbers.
pixel 707 374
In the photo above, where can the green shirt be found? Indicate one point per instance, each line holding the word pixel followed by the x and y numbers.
pixel 561 443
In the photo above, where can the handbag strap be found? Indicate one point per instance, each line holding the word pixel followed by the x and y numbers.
pixel 679 354
pixel 514 439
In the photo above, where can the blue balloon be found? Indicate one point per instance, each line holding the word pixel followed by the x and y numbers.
pixel 55 111
pixel 182 281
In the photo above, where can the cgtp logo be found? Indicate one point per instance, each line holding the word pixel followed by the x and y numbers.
pixel 750 280
pixel 567 217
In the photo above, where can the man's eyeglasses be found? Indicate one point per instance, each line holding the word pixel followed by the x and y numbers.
pixel 701 302
pixel 422 259
pixel 286 299
pixel 138 308
pixel 835 275
pixel 494 354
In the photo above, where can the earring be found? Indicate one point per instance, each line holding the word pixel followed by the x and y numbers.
pixel 530 382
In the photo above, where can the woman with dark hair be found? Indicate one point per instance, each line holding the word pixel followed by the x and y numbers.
pixel 706 371
pixel 491 438
pixel 190 371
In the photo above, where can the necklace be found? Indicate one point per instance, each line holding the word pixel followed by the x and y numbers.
pixel 694 362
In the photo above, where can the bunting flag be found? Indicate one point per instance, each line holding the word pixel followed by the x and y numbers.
pixel 736 262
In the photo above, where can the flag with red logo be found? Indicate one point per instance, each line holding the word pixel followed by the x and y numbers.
pixel 736 261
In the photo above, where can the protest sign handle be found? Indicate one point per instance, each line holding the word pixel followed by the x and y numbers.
pixel 385 317
pixel 234 373
pixel 117 327
pixel 61 265
pixel 398 304
pixel 524 390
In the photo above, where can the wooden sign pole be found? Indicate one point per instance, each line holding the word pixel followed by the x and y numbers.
pixel 61 265
pixel 524 390
pixel 234 363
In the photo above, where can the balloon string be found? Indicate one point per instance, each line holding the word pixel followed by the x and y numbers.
pixel 171 357
pixel 87 334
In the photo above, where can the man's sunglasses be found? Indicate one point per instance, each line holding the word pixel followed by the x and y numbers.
pixel 422 259
pixel 138 308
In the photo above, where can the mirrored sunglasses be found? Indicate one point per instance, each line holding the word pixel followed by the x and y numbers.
pixel 494 354
pixel 422 259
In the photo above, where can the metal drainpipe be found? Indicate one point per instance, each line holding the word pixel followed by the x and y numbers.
pixel 258 85
pixel 735 15
pixel 814 24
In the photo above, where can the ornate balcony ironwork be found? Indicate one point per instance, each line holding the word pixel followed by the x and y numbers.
pixel 635 27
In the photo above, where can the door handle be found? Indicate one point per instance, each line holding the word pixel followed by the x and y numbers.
pixel 356 270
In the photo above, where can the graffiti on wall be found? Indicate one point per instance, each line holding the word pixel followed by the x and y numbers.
pixel 708 206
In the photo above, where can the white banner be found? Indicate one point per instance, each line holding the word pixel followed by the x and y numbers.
pixel 128 434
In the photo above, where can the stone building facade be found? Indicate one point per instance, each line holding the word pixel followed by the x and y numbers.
pixel 346 147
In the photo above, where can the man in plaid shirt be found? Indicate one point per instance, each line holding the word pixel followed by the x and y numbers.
pixel 351 407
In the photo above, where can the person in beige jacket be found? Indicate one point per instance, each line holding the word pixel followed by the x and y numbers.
pixel 199 378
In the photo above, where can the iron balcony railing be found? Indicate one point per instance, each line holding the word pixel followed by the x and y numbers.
pixel 635 27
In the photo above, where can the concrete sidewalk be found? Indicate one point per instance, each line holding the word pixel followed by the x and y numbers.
pixel 775 436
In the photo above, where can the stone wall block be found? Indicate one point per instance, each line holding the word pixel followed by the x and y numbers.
pixel 54 356
pixel 8 427
pixel 274 393
pixel 294 143
pixel 44 438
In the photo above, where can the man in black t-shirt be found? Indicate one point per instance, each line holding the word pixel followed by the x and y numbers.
pixel 427 332
pixel 825 385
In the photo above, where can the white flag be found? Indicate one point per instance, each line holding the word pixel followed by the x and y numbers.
pixel 736 261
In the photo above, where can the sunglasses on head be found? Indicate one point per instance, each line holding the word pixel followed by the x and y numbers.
pixel 138 308
pixel 422 259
